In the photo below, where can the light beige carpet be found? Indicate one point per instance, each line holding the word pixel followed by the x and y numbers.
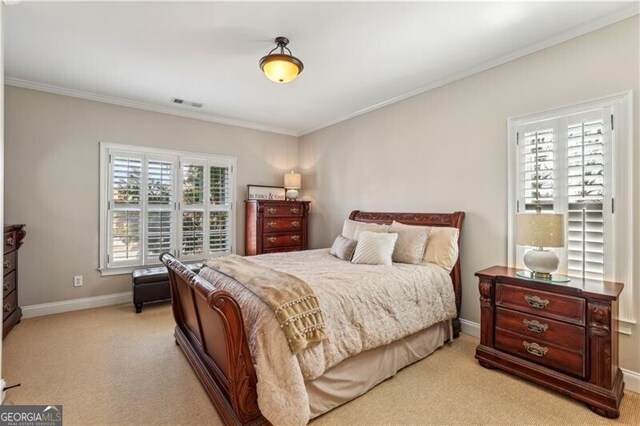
pixel 111 366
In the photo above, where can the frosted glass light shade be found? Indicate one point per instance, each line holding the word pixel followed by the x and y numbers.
pixel 281 68
pixel 540 230
pixel 293 181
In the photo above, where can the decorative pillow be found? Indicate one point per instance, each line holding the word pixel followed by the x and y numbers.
pixel 351 228
pixel 411 244
pixel 343 248
pixel 375 248
pixel 442 245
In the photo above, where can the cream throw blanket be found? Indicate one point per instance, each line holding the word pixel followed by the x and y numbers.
pixel 365 306
pixel 291 299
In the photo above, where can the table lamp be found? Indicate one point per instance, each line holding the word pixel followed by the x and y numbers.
pixel 540 230
pixel 292 182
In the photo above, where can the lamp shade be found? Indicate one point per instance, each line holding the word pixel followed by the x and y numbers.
pixel 293 181
pixel 540 230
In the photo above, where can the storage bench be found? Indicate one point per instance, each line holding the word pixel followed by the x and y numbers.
pixel 152 284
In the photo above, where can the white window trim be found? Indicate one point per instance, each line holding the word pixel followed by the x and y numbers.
pixel 622 104
pixel 105 148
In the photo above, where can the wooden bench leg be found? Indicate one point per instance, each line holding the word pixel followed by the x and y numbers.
pixel 138 308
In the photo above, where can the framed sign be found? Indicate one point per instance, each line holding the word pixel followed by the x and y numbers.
pixel 262 192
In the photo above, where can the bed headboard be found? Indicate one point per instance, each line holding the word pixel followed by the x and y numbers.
pixel 424 219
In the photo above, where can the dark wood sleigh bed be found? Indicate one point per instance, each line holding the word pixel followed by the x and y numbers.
pixel 210 329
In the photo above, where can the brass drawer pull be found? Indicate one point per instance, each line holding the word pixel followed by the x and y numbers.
pixel 272 239
pixel 295 238
pixel 272 210
pixel 272 224
pixel 536 302
pixel 6 264
pixel 10 241
pixel 7 285
pixel 535 326
pixel 294 210
pixel 295 224
pixel 7 307
pixel 535 349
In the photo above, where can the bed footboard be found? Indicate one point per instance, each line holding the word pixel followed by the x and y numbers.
pixel 210 331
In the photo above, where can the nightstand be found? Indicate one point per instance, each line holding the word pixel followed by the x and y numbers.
pixel 560 335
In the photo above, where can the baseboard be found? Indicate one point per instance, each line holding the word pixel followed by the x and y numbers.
pixel 469 327
pixel 631 378
pixel 42 309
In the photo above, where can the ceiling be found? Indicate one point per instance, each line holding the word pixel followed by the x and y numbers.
pixel 357 56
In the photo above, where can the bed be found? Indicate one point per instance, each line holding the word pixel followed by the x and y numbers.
pixel 219 338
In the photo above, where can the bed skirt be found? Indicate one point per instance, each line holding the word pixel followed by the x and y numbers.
pixel 357 375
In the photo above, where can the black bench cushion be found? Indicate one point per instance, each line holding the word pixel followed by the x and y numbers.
pixel 157 274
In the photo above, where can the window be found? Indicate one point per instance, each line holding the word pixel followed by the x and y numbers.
pixel 156 201
pixel 576 161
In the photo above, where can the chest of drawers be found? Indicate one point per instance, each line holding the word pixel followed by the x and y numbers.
pixel 275 226
pixel 562 336
pixel 11 312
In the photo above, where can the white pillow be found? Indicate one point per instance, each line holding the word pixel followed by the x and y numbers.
pixel 442 245
pixel 351 229
pixel 411 244
pixel 375 248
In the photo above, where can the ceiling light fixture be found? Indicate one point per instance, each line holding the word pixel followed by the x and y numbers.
pixel 281 67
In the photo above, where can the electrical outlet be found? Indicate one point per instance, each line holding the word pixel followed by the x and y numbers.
pixel 77 281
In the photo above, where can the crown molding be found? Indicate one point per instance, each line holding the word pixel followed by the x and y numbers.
pixel 58 90
pixel 569 34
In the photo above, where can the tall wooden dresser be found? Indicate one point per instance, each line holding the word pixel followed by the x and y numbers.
pixel 563 336
pixel 275 226
pixel 11 312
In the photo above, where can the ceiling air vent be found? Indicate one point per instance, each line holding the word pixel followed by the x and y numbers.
pixel 186 103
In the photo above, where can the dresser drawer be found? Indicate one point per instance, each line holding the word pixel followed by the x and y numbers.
pixel 281 240
pixel 536 327
pixel 283 210
pixel 9 304
pixel 10 241
pixel 9 283
pixel 541 352
pixel 280 250
pixel 282 224
pixel 9 263
pixel 542 303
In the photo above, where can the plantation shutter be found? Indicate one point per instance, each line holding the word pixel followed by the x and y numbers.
pixel 125 209
pixel 192 220
pixel 160 202
pixel 588 190
pixel 564 167
pixel 220 209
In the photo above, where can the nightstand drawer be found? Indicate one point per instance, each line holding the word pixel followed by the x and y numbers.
pixel 542 303
pixel 283 210
pixel 541 352
pixel 9 263
pixel 281 240
pixel 282 224
pixel 536 327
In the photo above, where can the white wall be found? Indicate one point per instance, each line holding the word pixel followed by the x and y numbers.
pixel 446 149
pixel 52 173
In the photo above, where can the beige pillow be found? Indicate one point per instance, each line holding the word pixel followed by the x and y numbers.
pixel 351 228
pixel 343 248
pixel 442 245
pixel 411 244
pixel 375 248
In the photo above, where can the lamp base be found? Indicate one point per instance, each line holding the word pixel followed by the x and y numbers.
pixel 542 263
pixel 292 194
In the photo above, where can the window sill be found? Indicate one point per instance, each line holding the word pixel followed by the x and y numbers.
pixel 128 270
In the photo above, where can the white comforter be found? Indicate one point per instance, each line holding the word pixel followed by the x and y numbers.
pixel 366 306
